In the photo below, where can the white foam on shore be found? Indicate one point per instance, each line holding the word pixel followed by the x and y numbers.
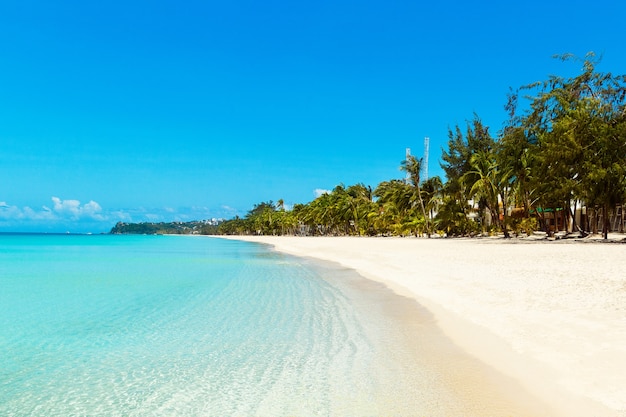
pixel 552 316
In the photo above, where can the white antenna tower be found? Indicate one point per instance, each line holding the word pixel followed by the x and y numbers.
pixel 426 149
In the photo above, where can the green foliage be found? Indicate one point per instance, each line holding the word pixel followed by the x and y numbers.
pixel 581 146
pixel 452 218
pixel 528 225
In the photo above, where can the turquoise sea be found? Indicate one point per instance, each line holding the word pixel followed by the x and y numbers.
pixel 101 325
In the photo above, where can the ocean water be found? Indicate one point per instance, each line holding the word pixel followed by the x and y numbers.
pixel 192 326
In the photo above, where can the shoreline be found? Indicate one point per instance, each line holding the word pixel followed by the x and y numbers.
pixel 551 317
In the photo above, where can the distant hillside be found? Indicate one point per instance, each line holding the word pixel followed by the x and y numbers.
pixel 205 227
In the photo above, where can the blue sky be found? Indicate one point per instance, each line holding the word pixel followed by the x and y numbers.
pixel 168 110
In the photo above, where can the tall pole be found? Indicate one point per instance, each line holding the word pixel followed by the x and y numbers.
pixel 426 150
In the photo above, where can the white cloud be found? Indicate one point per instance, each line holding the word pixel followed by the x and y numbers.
pixel 62 211
pixel 30 214
pixel 75 210
pixel 93 209
pixel 318 192
pixel 10 212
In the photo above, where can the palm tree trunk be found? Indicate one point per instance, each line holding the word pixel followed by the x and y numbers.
pixel 505 230
pixel 573 214
pixel 605 221
pixel 419 193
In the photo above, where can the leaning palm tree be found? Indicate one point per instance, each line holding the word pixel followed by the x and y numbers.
pixel 413 166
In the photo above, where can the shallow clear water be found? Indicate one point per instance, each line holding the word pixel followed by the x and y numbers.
pixel 187 326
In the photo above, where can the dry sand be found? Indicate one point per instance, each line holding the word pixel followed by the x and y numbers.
pixel 550 316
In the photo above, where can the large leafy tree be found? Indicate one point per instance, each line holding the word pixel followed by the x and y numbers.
pixel 456 160
pixel 466 172
pixel 578 122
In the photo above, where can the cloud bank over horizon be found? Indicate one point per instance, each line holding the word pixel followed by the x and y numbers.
pixel 72 215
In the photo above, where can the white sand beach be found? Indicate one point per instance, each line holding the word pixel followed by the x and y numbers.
pixel 549 315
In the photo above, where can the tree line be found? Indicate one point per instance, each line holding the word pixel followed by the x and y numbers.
pixel 559 163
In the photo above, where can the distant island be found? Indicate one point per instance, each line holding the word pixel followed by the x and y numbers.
pixel 202 227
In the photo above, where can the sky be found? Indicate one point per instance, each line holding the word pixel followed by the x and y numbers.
pixel 174 111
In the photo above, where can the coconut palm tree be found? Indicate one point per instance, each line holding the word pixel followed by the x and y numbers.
pixel 413 166
pixel 484 181
pixel 432 189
